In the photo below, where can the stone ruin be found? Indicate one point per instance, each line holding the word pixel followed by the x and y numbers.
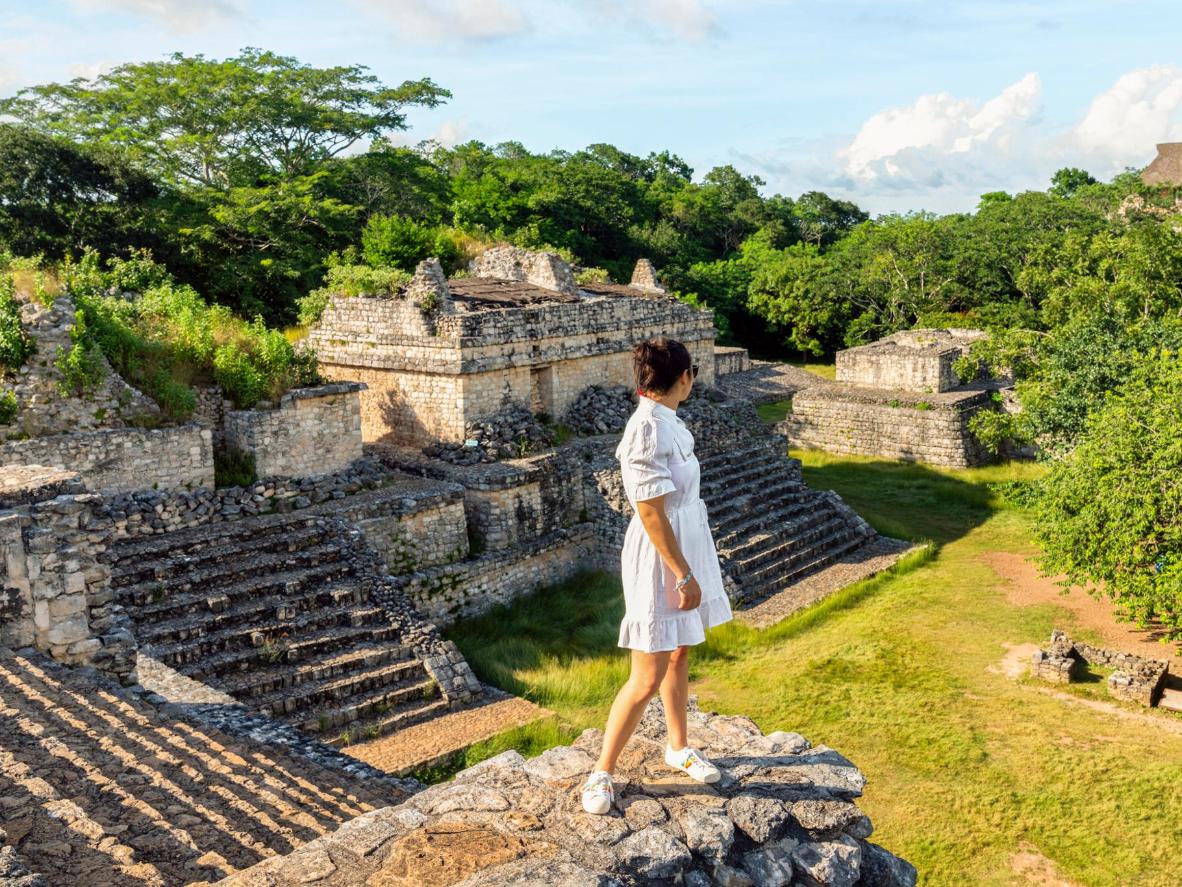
pixel 899 398
pixel 518 330
pixel 783 814
pixel 304 611
pixel 1135 679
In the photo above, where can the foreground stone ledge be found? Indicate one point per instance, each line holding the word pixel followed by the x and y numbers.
pixel 783 814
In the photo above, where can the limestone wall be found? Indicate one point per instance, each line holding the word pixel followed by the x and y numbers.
pixel 851 420
pixel 411 530
pixel 912 360
pixel 730 360
pixel 314 431
pixel 56 587
pixel 405 407
pixel 472 587
pixel 123 459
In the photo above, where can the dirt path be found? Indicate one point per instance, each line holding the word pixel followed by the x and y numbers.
pixel 1025 587
pixel 433 742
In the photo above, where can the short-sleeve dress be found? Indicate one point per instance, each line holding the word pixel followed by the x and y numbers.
pixel 657 458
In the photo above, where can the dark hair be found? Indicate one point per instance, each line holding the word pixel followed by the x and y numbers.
pixel 657 363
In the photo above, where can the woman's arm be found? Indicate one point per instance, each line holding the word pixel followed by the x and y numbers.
pixel 656 523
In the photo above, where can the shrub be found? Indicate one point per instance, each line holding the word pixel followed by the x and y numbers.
pixel 234 469
pixel 81 364
pixel 346 278
pixel 592 275
pixel 8 407
pixel 1110 512
pixel 169 338
pixel 400 242
pixel 15 344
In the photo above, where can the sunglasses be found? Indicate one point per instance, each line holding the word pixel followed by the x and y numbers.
pixel 694 370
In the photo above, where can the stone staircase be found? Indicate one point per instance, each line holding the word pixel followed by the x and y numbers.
pixel 276 611
pixel 770 528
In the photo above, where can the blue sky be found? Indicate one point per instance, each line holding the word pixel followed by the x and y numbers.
pixel 896 105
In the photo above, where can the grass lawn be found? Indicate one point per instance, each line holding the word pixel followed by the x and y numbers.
pixel 775 411
pixel 967 768
pixel 824 370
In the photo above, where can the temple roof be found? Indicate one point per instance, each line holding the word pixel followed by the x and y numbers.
pixel 487 292
pixel 1166 168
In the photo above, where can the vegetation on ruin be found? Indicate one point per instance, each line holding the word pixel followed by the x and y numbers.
pixel 967 767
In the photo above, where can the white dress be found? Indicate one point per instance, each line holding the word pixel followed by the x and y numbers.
pixel 657 458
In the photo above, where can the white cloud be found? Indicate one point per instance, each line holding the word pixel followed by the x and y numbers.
pixel 88 71
pixel 943 151
pixel 480 20
pixel 908 143
pixel 688 19
pixel 10 77
pixel 1123 123
pixel 173 15
pixel 438 20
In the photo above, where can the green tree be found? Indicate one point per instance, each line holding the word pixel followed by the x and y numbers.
pixel 1068 181
pixel 57 197
pixel 224 122
pixel 1110 512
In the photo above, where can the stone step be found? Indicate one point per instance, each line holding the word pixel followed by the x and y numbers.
pixel 1171 699
pixel 148 605
pixel 231 573
pixel 776 580
pixel 311 645
pixel 737 529
pixel 279 679
pixel 364 684
pixel 779 549
pixel 267 610
pixel 241 551
pixel 196 540
pixel 396 719
pixel 771 533
pixel 719 478
pixel 409 691
pixel 240 628
pixel 731 506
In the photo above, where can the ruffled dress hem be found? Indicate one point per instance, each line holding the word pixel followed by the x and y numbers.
pixel 670 632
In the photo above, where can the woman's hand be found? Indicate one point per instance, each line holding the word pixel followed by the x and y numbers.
pixel 690 595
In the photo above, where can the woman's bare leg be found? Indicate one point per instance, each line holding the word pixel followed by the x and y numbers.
pixel 648 670
pixel 675 695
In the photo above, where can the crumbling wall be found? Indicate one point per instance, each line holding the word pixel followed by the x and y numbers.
pixel 122 459
pixel 314 431
pixel 912 360
pixel 1136 678
pixel 56 594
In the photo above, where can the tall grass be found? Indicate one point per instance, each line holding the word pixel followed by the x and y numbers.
pixel 966 767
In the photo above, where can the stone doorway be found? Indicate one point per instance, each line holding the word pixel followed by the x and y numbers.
pixel 541 390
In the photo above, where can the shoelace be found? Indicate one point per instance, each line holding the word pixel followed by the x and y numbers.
pixel 691 757
pixel 601 784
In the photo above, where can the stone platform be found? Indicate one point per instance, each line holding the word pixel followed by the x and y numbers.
pixel 861 420
pixel 783 814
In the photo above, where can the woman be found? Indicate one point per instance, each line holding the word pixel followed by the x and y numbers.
pixel 672 582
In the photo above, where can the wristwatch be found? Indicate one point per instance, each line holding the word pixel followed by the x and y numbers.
pixel 683 581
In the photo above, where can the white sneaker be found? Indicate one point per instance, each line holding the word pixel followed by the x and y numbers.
pixel 598 792
pixel 687 760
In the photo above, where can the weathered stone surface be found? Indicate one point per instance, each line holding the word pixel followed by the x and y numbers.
pixel 652 853
pixel 439 855
pixel 829 863
pixel 773 828
pixel 759 818
pixel 881 868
